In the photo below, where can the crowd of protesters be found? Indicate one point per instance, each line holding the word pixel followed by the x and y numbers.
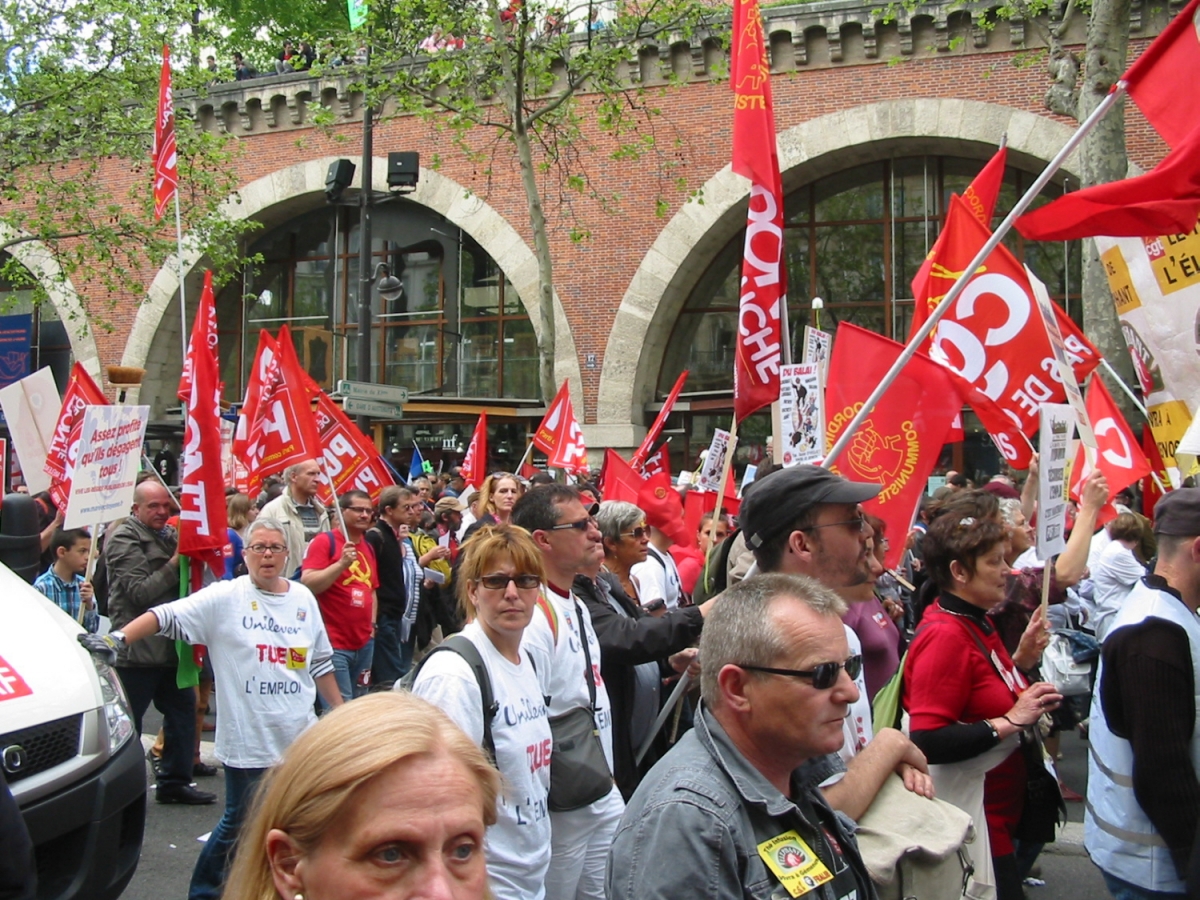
pixel 564 625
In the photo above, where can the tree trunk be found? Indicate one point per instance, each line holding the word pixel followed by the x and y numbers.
pixel 541 250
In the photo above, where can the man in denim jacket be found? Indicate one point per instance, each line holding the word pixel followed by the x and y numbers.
pixel 733 810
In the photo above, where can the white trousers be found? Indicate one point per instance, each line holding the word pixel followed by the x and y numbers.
pixel 579 845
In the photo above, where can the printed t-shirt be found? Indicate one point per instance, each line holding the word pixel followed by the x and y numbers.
pixel 518 845
pixel 345 604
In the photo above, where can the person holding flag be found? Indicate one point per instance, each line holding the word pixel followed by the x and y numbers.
pixel 303 516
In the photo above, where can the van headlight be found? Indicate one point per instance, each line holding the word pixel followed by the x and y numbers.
pixel 116 705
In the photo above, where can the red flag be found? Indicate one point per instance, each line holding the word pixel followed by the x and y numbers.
pixel 528 470
pixel 663 508
pixel 349 459
pixel 1157 80
pixel 993 336
pixel 166 171
pixel 1150 490
pixel 1166 200
pixel 560 436
pixel 697 503
pixel 659 461
pixel 980 198
pixel 203 525
pixel 638 461
pixel 898 445
pixel 474 464
pixel 1003 428
pixel 759 337
pixel 1119 455
pixel 81 392
pixel 620 480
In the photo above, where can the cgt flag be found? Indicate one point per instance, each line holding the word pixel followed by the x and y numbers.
pixel 763 291
pixel 1119 455
pixel 163 154
pixel 900 442
pixel 203 522
pixel 81 393
pixel 474 464
pixel 560 437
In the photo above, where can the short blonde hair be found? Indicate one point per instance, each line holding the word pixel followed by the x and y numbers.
pixel 310 787
pixel 488 544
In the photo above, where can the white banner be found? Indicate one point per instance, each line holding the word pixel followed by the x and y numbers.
pixel 802 413
pixel 1054 444
pixel 31 408
pixel 714 462
pixel 106 469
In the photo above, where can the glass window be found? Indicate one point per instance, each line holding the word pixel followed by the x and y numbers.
pixel 50 344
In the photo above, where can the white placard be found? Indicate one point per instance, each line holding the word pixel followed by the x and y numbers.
pixel 31 408
pixel 747 477
pixel 110 453
pixel 817 347
pixel 1054 442
pixel 714 462
pixel 802 414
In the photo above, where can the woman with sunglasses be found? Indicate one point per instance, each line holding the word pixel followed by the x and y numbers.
pixel 626 540
pixel 966 697
pixel 499 581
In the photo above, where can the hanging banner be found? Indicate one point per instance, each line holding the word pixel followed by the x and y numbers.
pixel 1054 439
pixel 714 462
pixel 818 345
pixel 16 337
pixel 1155 284
pixel 802 413
pixel 106 468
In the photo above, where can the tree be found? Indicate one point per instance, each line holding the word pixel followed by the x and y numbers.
pixel 80 88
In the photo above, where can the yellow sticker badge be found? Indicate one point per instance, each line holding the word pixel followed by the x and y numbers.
pixel 793 863
pixel 297 657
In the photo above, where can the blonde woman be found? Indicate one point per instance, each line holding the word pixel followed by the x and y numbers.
pixel 497 497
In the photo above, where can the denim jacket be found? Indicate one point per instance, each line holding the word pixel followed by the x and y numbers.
pixel 693 827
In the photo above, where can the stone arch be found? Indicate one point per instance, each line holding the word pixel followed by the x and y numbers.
pixel 677 258
pixel 39 260
pixel 154 342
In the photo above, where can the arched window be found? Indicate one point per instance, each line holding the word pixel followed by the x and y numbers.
pixel 49 343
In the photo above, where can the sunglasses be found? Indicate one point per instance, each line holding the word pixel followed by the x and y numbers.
pixel 580 524
pixel 823 676
pixel 858 523
pixel 499 582
pixel 638 533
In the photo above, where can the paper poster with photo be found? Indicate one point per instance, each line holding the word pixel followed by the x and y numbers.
pixel 818 345
pixel 1054 445
pixel 106 469
pixel 714 462
pixel 802 413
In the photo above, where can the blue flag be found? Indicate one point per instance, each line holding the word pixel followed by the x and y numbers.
pixel 418 466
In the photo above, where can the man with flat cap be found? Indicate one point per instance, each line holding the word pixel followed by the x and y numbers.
pixel 1143 796
pixel 806 520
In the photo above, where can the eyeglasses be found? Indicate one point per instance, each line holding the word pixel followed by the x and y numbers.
pixel 499 581
pixel 274 549
pixel 858 523
pixel 824 676
pixel 361 510
pixel 638 533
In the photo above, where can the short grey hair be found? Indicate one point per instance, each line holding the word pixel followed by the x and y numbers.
pixel 1010 508
pixel 290 472
pixel 616 516
pixel 266 523
pixel 741 629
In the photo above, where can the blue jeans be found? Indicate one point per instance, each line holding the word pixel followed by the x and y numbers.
pixel 348 665
pixel 1123 890
pixel 217 855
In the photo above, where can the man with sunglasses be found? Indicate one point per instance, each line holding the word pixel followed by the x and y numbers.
pixel 805 520
pixel 729 811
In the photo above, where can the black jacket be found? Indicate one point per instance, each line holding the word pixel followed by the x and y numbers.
pixel 393 596
pixel 627 639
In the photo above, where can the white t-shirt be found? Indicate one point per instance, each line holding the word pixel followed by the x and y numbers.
pixel 1116 574
pixel 657 579
pixel 561 662
pixel 518 845
pixel 856 727
pixel 266 649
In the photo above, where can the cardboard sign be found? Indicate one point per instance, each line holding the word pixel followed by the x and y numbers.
pixel 802 413
pixel 110 453
pixel 31 410
pixel 817 347
pixel 1054 442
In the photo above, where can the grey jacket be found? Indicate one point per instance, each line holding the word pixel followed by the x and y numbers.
pixel 139 577
pixel 283 508
pixel 693 827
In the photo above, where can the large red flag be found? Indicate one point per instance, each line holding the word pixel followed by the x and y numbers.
pixel 697 503
pixel 1166 200
pixel 898 445
pixel 1119 455
pixel 620 480
pixel 993 336
pixel 474 464
pixel 350 460
pixel 81 392
pixel 1157 80
pixel 203 524
pixel 638 460
pixel 659 500
pixel 560 437
pixel 1151 493
pixel 759 336
pixel 166 170
pixel 980 198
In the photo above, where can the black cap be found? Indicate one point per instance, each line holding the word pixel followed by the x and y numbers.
pixel 1178 513
pixel 775 502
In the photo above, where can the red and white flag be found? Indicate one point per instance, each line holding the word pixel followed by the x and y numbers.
pixel 1151 492
pixel 763 288
pixel 1157 80
pixel 659 461
pixel 203 522
pixel 81 392
pixel 1119 454
pixel 560 437
pixel 349 459
pixel 638 460
pixel 166 169
pixel 474 464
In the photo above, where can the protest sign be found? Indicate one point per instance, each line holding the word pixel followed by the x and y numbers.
pixel 1057 426
pixel 817 347
pixel 802 413
pixel 31 408
pixel 714 462
pixel 110 453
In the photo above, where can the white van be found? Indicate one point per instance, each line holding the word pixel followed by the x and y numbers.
pixel 69 751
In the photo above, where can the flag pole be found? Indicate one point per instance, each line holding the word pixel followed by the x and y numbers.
pixel 984 252
pixel 337 506
pixel 524 458
pixel 179 272
pixel 1123 386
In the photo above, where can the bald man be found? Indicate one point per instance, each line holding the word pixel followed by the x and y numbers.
pixel 143 572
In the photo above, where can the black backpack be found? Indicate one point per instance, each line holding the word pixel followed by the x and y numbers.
pixel 468 651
